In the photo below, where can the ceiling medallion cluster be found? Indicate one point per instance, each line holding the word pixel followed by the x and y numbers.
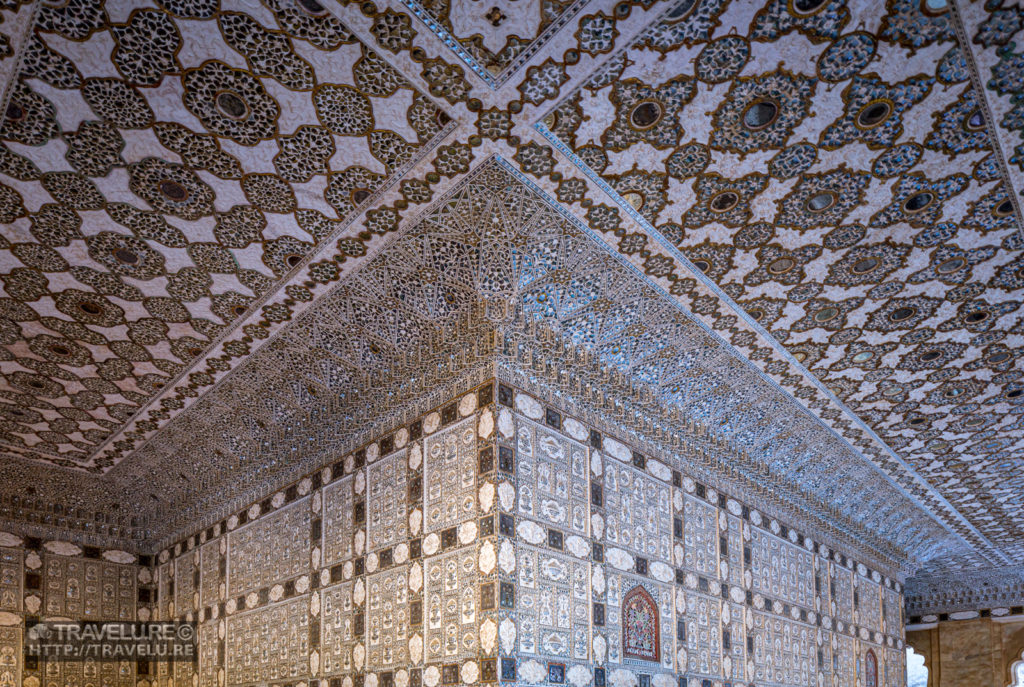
pixel 158 285
pixel 921 198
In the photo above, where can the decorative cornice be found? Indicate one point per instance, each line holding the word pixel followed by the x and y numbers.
pixel 964 595
pixel 991 123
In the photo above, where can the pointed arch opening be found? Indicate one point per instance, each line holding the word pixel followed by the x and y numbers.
pixel 640 626
pixel 870 669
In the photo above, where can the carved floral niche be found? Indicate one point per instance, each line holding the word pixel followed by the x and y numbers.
pixel 640 633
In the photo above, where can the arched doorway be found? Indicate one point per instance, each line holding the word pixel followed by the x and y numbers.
pixel 917 673
pixel 1017 671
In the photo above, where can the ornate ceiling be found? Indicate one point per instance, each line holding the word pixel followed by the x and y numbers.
pixel 237 234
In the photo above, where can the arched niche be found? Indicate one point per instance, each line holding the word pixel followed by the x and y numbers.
pixel 641 637
pixel 870 669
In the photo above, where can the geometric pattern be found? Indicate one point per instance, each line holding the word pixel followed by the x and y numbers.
pixel 387 522
pixel 835 256
pixel 58 580
pixel 637 507
pixel 785 572
pixel 450 606
pixel 10 649
pixel 201 282
pixel 387 620
pixel 545 484
pixel 251 570
pixel 284 627
pixel 339 629
pixel 462 222
pixel 339 528
pixel 86 589
pixel 553 604
pixel 449 478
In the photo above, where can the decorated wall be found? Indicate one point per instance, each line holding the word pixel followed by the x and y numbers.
pixel 495 539
pixel 59 580
pixel 983 651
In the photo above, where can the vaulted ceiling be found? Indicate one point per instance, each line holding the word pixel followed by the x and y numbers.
pixel 201 203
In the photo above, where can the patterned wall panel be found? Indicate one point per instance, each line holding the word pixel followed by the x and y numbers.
pixel 703 634
pixel 895 672
pixel 211 653
pixel 388 620
pixel 785 652
pixel 88 589
pixel 11 564
pixel 784 571
pixel 844 659
pixel 734 649
pixel 824 657
pixel 700 536
pixel 892 612
pixel 822 586
pixel 88 672
pixel 182 673
pixel 638 512
pixel 553 604
pixel 210 566
pixel 450 477
pixel 552 480
pixel 869 605
pixel 339 522
pixel 842 592
pixel 731 548
pixel 450 601
pixel 343 627
pixel 268 645
pixel 165 590
pixel 185 588
pixel 504 542
pixel 250 567
pixel 386 518
pixel 58 579
pixel 10 656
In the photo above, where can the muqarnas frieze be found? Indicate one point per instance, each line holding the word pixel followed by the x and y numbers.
pixel 495 540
